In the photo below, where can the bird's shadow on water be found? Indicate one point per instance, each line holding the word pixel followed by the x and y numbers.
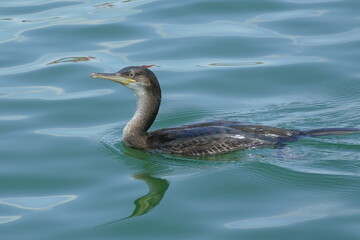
pixel 155 169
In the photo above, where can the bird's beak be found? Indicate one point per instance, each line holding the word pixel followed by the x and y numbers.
pixel 113 77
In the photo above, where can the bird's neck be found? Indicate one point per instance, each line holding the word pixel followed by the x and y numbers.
pixel 147 107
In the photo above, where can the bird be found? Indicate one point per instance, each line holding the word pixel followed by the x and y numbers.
pixel 197 139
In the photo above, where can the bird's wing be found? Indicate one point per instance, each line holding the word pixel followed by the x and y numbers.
pixel 200 141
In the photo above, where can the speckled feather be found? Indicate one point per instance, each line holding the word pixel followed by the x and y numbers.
pixel 216 137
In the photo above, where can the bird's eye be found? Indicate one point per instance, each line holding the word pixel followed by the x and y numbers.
pixel 131 74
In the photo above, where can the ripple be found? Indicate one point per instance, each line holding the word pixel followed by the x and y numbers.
pixel 37 203
pixel 7 219
pixel 48 93
pixel 270 61
pixel 39 20
pixel 218 28
pixel 300 215
pixel 329 167
pixel 286 15
pixel 350 36
pixel 13 117
pixel 105 5
pixel 45 60
pixel 84 132
pixel 47 15
pixel 27 8
pixel 311 1
pixel 71 59
pixel 275 221
pixel 204 63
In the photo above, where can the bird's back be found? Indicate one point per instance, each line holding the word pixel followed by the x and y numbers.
pixel 210 138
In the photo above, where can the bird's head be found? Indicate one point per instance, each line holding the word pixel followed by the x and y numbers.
pixel 137 78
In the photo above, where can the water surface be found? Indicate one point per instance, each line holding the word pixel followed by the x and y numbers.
pixel 65 174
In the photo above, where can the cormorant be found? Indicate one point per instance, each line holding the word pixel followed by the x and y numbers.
pixel 199 139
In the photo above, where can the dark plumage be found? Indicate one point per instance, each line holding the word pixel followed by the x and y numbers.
pixel 199 139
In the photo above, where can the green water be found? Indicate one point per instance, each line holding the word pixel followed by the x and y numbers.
pixel 65 173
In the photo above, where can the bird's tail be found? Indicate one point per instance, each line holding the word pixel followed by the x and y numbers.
pixel 330 131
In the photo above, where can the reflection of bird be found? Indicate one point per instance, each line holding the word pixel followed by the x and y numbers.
pixel 144 204
pixel 198 139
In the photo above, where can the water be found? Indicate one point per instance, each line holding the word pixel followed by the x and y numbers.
pixel 66 175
